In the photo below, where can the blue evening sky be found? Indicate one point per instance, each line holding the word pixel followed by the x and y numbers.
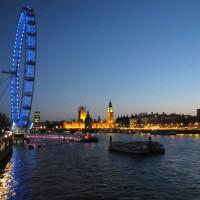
pixel 143 55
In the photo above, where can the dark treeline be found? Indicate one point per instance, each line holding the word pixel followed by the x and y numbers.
pixel 4 122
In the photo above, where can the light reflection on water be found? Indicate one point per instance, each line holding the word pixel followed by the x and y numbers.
pixel 90 171
pixel 7 182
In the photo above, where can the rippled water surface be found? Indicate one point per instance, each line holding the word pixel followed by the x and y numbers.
pixel 90 171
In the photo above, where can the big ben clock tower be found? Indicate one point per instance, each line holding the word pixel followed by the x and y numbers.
pixel 110 114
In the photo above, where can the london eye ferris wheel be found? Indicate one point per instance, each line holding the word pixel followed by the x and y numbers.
pixel 26 33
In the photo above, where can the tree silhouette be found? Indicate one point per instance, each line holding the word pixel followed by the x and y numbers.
pixel 4 122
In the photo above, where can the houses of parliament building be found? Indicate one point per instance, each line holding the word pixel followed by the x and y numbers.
pixel 85 121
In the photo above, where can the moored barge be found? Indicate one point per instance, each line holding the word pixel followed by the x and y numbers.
pixel 137 147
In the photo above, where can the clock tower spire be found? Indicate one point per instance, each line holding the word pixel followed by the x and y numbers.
pixel 110 113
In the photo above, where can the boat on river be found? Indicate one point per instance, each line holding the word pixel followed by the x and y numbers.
pixel 87 138
pixel 137 147
pixel 130 147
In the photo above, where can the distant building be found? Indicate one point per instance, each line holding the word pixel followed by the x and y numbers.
pixel 124 121
pixel 73 124
pixel 88 120
pixel 37 119
pixel 81 113
pixel 198 114
pixel 110 114
pixel 80 124
pixel 85 121
pixel 156 121
pixel 198 117
pixel 110 121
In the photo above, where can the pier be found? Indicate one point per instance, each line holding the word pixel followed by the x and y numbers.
pixel 20 139
pixel 37 141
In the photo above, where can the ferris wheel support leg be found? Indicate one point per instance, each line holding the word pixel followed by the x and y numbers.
pixel 17 131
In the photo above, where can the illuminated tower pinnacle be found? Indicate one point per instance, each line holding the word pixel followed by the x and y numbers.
pixel 110 113
pixel 81 113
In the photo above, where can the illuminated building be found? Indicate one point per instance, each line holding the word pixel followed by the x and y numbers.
pixel 37 119
pixel 110 114
pixel 84 120
pixel 80 124
pixel 73 124
pixel 81 113
pixel 110 123
pixel 159 121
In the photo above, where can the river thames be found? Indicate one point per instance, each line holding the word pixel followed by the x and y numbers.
pixel 90 171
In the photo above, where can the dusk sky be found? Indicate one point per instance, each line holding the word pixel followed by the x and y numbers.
pixel 143 55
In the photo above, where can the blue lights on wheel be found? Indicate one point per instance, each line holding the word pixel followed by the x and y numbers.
pixel 26 32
